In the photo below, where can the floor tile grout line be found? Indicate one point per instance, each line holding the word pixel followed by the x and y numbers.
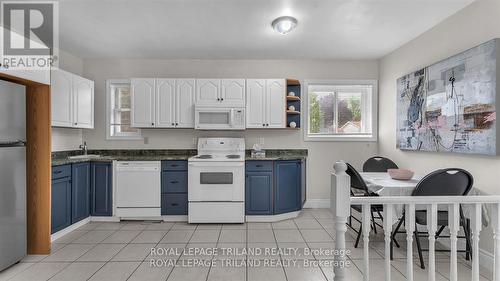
pixel 65 244
pixel 108 261
pixel 97 270
pixel 94 245
pixel 156 245
pixel 213 256
pixel 246 257
pixel 333 241
pixel 179 257
pixel 276 241
pixel 17 274
pixel 308 246
pixel 10 278
pixel 247 235
pixel 69 263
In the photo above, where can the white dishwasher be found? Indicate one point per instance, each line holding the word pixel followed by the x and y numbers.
pixel 138 189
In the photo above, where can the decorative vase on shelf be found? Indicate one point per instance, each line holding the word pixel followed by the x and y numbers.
pixel 293 124
pixel 291 108
pixel 291 94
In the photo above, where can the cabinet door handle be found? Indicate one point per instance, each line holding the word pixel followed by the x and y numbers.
pixel 173 124
pixel 258 166
pixel 57 172
pixel 175 204
pixel 221 99
pixel 152 124
pixel 174 182
pixel 174 165
pixel 176 124
pixel 218 99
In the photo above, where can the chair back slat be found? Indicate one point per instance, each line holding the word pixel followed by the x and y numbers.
pixel 445 182
pixel 379 164
pixel 357 182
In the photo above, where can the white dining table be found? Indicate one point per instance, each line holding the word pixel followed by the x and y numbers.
pixel 383 185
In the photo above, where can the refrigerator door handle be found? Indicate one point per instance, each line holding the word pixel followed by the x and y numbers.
pixel 18 143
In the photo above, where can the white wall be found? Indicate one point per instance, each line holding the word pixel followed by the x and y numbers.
pixel 65 138
pixel 477 23
pixel 321 154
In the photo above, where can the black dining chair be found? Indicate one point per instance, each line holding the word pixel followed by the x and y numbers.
pixel 378 164
pixel 443 182
pixel 359 188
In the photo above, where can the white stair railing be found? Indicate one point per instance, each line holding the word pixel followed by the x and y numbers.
pixel 341 202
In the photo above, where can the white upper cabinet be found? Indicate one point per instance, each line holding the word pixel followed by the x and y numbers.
pixel 208 92
pixel 72 99
pixel 233 92
pixel 143 101
pixel 256 92
pixel 163 103
pixel 185 96
pixel 83 98
pixel 265 103
pixel 62 98
pixel 220 92
pixel 276 101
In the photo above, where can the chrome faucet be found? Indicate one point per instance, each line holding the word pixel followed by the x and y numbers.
pixel 83 147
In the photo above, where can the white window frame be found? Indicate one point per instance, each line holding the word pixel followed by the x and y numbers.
pixel 341 137
pixel 124 136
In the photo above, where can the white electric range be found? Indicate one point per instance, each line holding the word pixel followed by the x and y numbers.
pixel 216 181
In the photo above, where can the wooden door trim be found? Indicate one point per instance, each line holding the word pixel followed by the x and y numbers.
pixel 38 163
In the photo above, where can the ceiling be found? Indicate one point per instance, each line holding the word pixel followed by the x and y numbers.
pixel 240 29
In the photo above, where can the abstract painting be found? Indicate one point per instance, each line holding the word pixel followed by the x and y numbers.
pixel 450 106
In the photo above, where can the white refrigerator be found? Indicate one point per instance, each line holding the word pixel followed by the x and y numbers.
pixel 13 235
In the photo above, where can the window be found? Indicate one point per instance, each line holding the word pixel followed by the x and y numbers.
pixel 341 110
pixel 118 105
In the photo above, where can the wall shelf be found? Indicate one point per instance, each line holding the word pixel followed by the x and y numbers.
pixel 293 85
pixel 292 98
pixel 292 82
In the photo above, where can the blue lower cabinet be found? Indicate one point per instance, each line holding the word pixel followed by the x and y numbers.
pixel 80 191
pixel 101 189
pixel 174 182
pixel 259 193
pixel 174 204
pixel 287 186
pixel 60 204
pixel 174 187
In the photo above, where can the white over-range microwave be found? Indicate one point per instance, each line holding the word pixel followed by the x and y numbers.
pixel 211 118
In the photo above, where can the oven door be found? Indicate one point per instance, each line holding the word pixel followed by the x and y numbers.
pixel 216 181
pixel 219 118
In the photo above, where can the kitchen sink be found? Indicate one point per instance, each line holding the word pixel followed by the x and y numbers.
pixel 87 156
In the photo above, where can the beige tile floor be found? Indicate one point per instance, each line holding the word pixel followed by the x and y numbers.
pixel 122 251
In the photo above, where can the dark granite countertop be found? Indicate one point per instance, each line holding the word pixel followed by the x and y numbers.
pixel 280 154
pixel 61 157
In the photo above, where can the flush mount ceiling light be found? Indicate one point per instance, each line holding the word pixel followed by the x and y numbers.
pixel 284 24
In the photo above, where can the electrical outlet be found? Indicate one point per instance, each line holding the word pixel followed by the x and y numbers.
pixel 195 141
pixel 146 140
pixel 261 141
